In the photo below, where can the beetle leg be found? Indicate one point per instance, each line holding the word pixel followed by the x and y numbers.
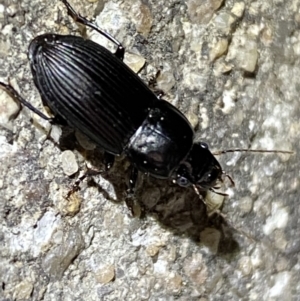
pixel 76 185
pixel 89 172
pixel 153 85
pixel 120 52
pixel 129 198
pixel 15 95
pixel 217 192
pixel 58 120
pixel 108 160
pixel 80 19
pixel 229 178
pixel 132 181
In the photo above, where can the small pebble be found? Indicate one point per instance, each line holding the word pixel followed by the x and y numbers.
pixel 238 9
pixel 134 61
pixel 218 49
pixel 105 274
pixel 23 290
pixel 69 163
pixel 142 17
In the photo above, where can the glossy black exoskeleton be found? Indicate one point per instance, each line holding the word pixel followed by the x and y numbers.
pixel 91 89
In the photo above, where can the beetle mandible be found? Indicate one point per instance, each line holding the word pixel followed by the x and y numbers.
pixel 90 89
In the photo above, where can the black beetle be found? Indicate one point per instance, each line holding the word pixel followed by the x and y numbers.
pixel 91 89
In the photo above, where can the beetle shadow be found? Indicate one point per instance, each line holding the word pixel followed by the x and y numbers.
pixel 185 214
pixel 175 208
pixel 94 159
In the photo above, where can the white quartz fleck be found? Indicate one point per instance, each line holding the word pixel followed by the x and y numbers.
pixel 278 219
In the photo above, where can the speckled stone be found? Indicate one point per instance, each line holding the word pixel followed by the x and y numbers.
pixel 105 274
pixel 141 16
pixel 134 61
pixel 8 110
pixel 23 290
pixel 202 11
pixel 69 163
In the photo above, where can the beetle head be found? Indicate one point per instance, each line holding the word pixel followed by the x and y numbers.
pixel 200 169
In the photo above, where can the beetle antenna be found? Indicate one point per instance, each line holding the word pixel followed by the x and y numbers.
pixel 251 150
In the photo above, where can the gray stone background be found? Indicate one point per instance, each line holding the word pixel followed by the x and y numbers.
pixel 233 68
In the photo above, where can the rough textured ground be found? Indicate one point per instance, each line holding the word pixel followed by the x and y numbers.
pixel 233 68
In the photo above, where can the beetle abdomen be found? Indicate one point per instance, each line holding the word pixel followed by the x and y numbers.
pixel 94 91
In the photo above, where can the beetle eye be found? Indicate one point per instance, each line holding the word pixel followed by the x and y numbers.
pixel 183 182
pixel 203 145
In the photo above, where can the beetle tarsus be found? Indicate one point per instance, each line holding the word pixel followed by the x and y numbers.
pixel 75 186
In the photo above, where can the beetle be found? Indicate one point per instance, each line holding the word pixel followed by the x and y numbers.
pixel 91 89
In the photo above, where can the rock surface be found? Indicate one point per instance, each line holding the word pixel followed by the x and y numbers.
pixel 235 73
